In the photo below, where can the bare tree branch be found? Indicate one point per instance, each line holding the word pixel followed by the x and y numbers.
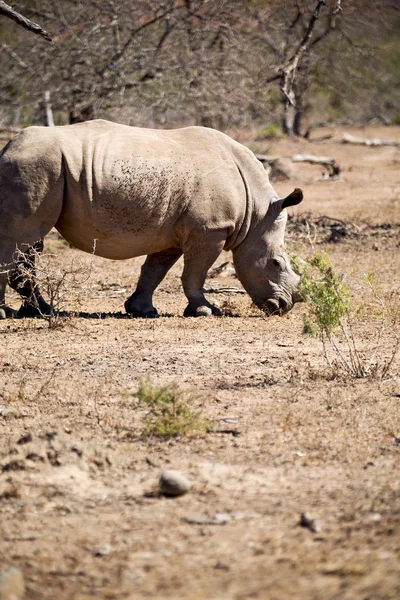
pixel 12 14
pixel 287 73
pixel 18 59
pixel 118 55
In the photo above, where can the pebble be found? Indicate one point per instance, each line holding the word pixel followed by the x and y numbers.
pixel 2 314
pixel 102 551
pixel 310 523
pixel 12 585
pixel 173 483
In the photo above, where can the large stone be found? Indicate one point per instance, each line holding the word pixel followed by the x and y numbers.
pixel 173 483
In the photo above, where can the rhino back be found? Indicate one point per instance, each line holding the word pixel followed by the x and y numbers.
pixel 138 191
pixel 147 189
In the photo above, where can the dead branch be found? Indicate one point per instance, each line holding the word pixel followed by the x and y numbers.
pixel 288 71
pixel 338 221
pixel 223 290
pixel 220 269
pixel 352 139
pixel 118 55
pixel 18 59
pixel 328 161
pixel 15 16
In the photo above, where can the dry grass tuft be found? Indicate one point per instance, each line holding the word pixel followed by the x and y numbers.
pixel 170 414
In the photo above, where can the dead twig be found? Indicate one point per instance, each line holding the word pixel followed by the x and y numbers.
pixel 223 290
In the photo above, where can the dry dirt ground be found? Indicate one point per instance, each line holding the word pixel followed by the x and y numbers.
pixel 77 512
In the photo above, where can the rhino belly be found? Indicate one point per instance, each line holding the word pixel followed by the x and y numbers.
pixel 113 235
pixel 129 210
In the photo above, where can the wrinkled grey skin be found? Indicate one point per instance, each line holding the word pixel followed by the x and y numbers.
pixel 191 191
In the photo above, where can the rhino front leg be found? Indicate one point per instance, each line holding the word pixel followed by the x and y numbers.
pixel 153 271
pixel 22 279
pixel 198 258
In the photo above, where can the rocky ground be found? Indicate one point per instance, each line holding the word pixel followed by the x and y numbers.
pixel 80 513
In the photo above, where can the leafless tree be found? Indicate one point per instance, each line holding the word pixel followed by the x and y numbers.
pixel 222 63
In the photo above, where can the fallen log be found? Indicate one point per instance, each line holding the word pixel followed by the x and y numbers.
pixel 352 139
pixel 327 161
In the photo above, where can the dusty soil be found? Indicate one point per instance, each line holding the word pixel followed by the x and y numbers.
pixel 78 512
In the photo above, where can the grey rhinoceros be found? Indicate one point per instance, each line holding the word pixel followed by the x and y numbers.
pixel 191 191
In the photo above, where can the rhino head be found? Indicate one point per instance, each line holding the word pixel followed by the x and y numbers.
pixel 261 264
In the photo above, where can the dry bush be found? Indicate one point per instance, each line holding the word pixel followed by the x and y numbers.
pixel 60 284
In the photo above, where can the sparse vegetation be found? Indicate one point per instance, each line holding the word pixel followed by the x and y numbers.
pixel 273 130
pixel 170 414
pixel 224 64
pixel 60 284
pixel 332 316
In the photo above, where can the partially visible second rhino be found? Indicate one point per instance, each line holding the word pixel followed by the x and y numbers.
pixel 191 191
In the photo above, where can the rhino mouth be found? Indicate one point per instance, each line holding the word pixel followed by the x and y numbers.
pixel 275 306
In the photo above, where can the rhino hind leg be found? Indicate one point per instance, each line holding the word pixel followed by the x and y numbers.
pixel 199 257
pixel 22 279
pixel 153 271
pixel 7 262
pixel 6 312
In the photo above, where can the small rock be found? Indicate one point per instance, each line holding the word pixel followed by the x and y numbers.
pixel 397 438
pixel 376 517
pixel 25 439
pixel 222 566
pixel 312 524
pixel 173 483
pixel 102 551
pixel 12 585
pixel 2 314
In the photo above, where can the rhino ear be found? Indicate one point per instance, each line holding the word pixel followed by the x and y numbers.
pixel 294 198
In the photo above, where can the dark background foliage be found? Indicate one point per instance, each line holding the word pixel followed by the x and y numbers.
pixel 207 62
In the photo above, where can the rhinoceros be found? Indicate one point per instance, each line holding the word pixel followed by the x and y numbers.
pixel 134 191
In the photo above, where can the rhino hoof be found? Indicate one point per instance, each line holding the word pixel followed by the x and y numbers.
pixel 143 314
pixel 27 310
pixel 201 311
pixel 8 313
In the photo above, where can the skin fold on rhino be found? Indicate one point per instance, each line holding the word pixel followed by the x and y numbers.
pixel 161 193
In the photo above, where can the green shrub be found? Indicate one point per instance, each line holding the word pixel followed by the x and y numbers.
pixel 272 130
pixel 331 316
pixel 325 294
